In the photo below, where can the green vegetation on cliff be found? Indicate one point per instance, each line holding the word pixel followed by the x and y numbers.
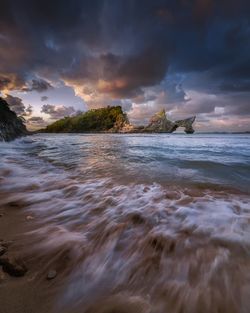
pixel 103 119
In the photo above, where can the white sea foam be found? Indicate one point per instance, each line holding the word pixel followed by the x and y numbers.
pixel 166 244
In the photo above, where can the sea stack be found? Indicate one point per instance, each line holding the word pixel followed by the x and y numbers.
pixel 159 123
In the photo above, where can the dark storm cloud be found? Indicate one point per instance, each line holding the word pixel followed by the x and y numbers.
pixel 44 98
pixel 11 81
pixel 36 119
pixel 57 112
pixel 238 104
pixel 204 106
pixel 4 82
pixel 235 86
pixel 16 104
pixel 118 48
pixel 36 122
pixel 120 76
pixel 171 92
pixel 39 85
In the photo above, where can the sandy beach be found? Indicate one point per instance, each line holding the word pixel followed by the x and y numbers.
pixel 85 226
pixel 124 156
pixel 26 293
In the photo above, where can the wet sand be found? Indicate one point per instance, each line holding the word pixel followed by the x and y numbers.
pixel 28 293
pixel 118 229
pixel 188 272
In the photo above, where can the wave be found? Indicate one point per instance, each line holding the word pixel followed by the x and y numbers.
pixel 123 246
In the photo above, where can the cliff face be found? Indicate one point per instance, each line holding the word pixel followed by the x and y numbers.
pixel 122 124
pixel 187 124
pixel 113 120
pixel 109 119
pixel 160 124
pixel 11 126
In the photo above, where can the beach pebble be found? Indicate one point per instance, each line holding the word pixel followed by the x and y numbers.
pixel 51 274
pixel 14 204
pixel 137 218
pixel 29 218
pixel 13 266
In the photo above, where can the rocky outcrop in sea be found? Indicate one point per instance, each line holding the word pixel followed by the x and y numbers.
pixel 11 126
pixel 159 123
pixel 114 120
pixel 187 124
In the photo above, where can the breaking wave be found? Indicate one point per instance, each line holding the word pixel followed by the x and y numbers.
pixel 136 223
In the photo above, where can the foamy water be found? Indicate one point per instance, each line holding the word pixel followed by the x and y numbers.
pixel 134 223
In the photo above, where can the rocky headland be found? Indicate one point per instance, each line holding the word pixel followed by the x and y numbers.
pixel 114 120
pixel 11 126
pixel 159 123
pixel 108 120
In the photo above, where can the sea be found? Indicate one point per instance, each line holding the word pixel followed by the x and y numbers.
pixel 145 222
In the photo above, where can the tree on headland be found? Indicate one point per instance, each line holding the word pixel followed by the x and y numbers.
pixel 102 119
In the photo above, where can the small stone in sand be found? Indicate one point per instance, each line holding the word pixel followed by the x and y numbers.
pixel 14 204
pixel 137 218
pixel 29 217
pixel 51 274
pixel 13 266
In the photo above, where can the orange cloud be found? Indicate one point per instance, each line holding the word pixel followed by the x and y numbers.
pixel 111 86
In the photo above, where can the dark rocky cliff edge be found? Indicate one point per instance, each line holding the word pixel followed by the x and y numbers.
pixel 11 126
pixel 109 119
pixel 114 120
pixel 160 124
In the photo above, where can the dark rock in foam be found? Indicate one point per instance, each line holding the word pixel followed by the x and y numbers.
pixel 13 266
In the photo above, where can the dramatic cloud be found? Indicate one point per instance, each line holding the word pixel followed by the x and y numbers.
pixel 36 122
pixel 16 105
pixel 36 119
pixel 145 56
pixel 29 110
pixel 117 76
pixel 10 82
pixel 57 112
pixel 44 98
pixel 38 85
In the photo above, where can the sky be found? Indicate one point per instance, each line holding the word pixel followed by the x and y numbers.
pixel 190 57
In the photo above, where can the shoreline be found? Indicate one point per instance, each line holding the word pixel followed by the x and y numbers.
pixel 28 293
pixel 146 132
pixel 112 242
pixel 25 293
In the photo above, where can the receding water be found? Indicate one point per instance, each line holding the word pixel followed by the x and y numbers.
pixel 138 223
